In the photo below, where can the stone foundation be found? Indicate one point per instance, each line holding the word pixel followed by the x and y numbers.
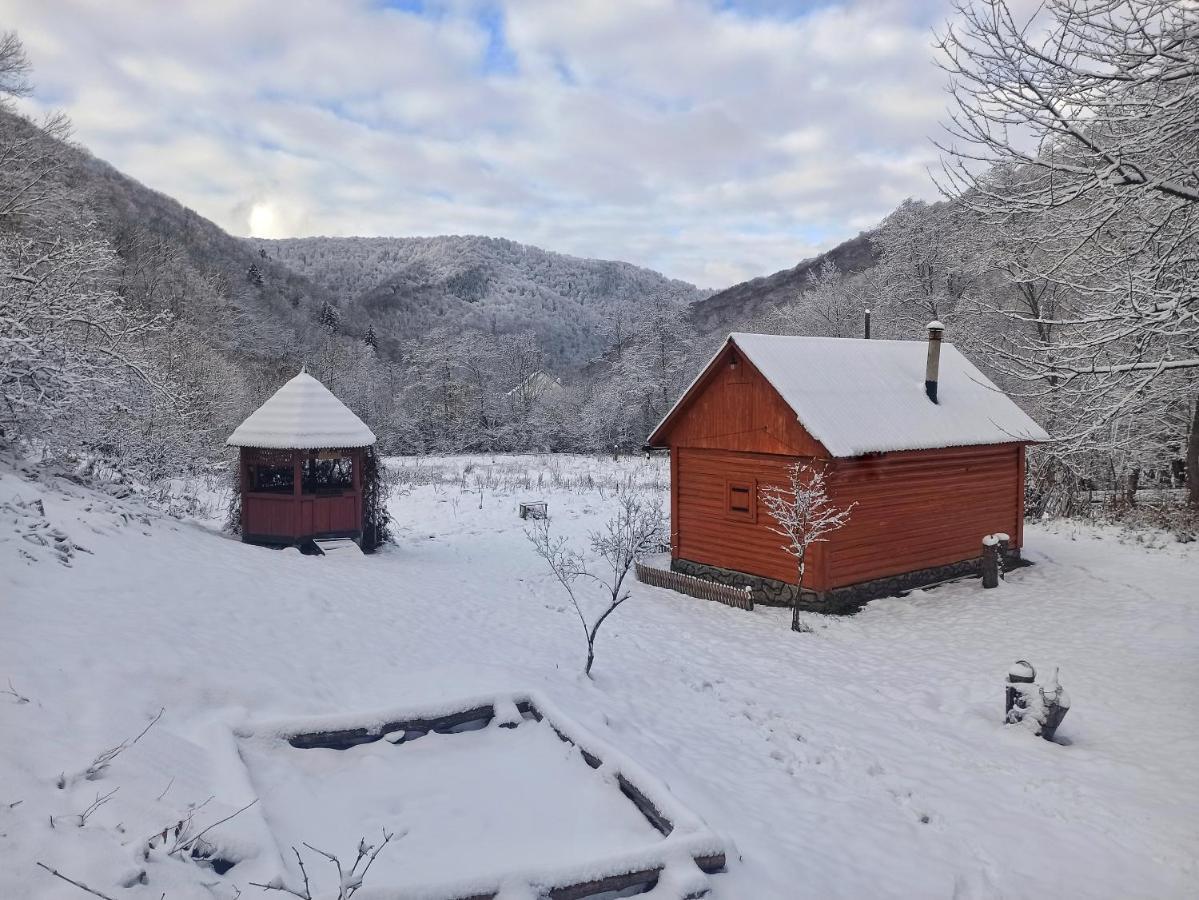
pixel 766 590
pixel 842 600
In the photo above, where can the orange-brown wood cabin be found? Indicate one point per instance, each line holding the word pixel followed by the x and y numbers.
pixel 929 450
pixel 301 463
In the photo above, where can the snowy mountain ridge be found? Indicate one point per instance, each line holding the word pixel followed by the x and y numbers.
pixel 408 286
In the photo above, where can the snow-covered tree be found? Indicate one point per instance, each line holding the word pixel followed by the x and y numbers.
pixel 831 304
pixel 803 513
pixel 1081 119
pixel 928 259
pixel 659 357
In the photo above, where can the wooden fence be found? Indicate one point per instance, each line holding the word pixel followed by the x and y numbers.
pixel 741 598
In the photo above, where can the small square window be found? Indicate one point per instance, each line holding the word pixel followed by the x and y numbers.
pixel 741 500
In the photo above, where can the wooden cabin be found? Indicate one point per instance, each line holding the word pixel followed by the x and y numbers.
pixel 301 465
pixel 927 447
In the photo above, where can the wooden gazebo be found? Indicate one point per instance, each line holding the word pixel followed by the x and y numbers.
pixel 301 466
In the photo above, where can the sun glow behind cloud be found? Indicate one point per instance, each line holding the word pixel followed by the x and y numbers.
pixel 262 221
pixel 710 141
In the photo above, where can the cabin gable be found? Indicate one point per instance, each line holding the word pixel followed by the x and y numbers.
pixel 733 407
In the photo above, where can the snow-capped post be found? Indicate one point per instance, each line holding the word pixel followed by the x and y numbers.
pixel 1021 672
pixel 990 561
pixel 866 326
pixel 932 367
pixel 804 515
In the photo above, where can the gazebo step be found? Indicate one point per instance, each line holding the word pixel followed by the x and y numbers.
pixel 337 545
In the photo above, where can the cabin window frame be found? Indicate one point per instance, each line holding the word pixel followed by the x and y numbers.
pixel 748 486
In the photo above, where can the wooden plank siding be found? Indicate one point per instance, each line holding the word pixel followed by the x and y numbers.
pixel 735 408
pixel 921 508
pixel 705 533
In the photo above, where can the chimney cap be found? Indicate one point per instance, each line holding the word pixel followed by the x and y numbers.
pixel 936 325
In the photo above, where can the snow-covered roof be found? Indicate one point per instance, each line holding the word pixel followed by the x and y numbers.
pixel 302 415
pixel 860 396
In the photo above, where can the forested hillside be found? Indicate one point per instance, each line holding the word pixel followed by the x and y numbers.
pixel 406 287
pixel 745 304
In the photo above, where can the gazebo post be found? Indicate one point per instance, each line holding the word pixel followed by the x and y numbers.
pixel 356 474
pixel 297 512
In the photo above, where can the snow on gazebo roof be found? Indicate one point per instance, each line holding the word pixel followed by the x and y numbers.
pixel 860 396
pixel 302 415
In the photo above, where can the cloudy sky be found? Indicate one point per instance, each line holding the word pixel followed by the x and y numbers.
pixel 713 141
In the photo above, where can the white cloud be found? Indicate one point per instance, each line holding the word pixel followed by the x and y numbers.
pixel 693 139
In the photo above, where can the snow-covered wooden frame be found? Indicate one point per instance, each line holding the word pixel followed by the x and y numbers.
pixel 687 849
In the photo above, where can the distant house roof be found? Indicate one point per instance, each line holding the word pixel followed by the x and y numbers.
pixel 860 396
pixel 302 415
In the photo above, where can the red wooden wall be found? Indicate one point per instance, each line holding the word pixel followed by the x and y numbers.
pixel 703 532
pixel 921 508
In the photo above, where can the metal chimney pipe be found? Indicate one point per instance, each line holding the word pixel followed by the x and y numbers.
pixel 933 366
pixel 867 325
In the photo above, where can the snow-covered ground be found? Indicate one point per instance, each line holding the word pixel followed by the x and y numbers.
pixel 867 759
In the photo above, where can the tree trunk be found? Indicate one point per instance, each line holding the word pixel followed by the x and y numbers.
pixel 798 624
pixel 1193 459
pixel 1134 482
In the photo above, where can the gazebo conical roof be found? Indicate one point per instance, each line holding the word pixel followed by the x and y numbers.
pixel 302 415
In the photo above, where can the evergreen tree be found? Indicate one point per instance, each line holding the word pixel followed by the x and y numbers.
pixel 329 316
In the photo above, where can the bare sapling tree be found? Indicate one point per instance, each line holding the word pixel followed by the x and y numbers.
pixel 637 528
pixel 349 882
pixel 804 514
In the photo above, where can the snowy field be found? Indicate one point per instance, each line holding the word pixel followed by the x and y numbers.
pixel 867 759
